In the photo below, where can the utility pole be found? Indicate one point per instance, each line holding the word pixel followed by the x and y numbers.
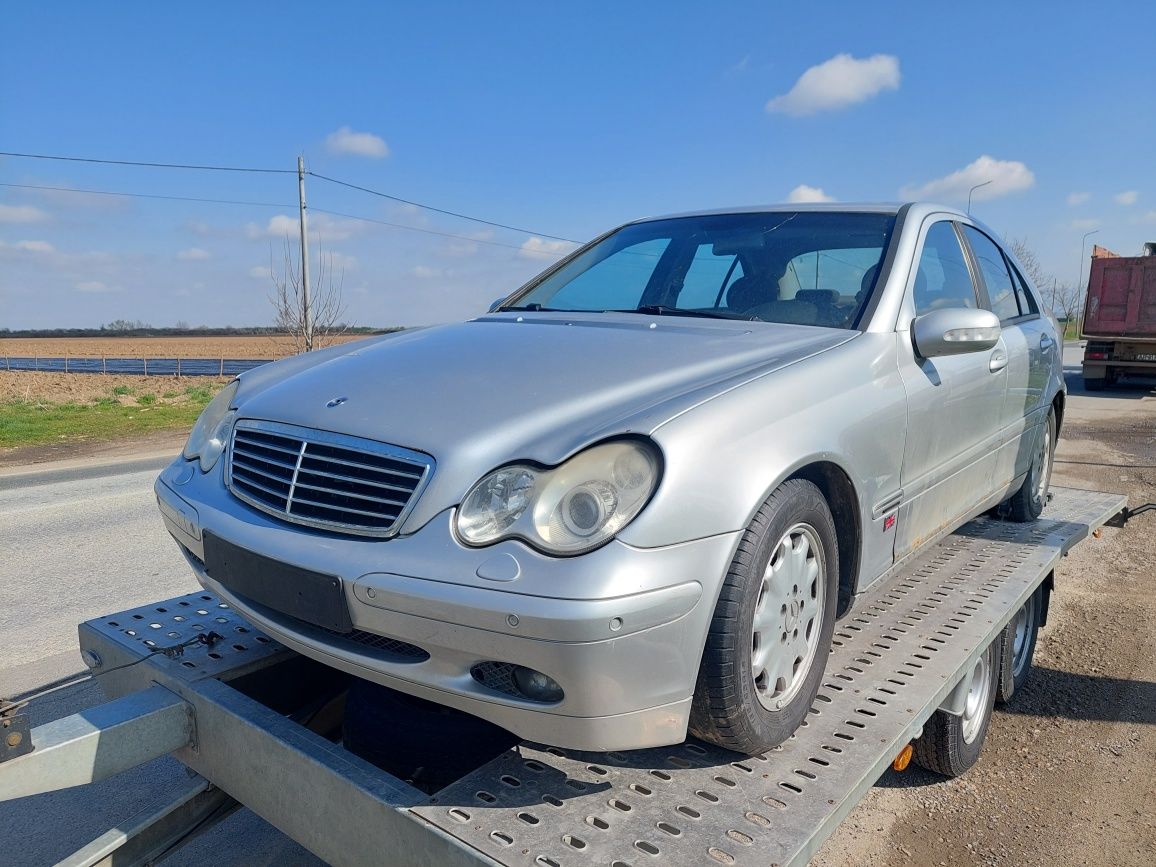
pixel 306 313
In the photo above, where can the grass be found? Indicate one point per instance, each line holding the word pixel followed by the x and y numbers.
pixel 32 422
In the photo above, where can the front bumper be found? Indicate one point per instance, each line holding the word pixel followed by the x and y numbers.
pixel 624 642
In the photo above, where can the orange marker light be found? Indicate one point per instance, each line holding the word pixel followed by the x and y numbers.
pixel 903 759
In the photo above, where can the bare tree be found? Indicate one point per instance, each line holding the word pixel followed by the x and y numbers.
pixel 1065 299
pixel 326 306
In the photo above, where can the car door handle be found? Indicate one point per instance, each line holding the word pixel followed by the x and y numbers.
pixel 998 361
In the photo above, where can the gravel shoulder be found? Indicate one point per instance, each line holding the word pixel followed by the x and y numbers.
pixel 1068 773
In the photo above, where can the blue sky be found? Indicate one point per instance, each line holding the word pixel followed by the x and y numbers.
pixel 560 119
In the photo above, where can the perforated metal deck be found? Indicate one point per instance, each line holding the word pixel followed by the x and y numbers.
pixel 896 658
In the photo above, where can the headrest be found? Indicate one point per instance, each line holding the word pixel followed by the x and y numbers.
pixel 745 293
pixel 868 279
pixel 818 296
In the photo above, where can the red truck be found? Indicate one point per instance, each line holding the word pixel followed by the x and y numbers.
pixel 1120 317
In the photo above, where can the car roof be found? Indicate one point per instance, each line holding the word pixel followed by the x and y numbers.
pixel 916 209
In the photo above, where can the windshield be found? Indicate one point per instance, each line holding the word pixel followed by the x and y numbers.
pixel 804 268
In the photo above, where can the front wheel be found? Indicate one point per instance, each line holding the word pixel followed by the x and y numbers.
pixel 771 633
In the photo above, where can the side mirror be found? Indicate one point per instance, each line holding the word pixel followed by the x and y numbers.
pixel 495 304
pixel 954 331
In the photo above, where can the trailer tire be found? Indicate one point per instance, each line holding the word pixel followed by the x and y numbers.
pixel 428 744
pixel 951 744
pixel 1018 642
pixel 1027 504
pixel 770 636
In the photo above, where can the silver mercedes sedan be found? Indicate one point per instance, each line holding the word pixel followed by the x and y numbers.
pixel 633 499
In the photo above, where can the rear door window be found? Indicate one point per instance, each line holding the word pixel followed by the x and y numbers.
pixel 1000 290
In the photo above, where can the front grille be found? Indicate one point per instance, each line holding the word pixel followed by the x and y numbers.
pixel 325 480
pixel 390 646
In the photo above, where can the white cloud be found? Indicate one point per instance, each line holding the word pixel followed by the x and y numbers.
pixel 260 272
pixel 1078 198
pixel 539 248
pixel 1083 225
pixel 35 246
pixel 194 254
pixel 361 144
pixel 21 214
pixel 92 286
pixel 1005 176
pixel 467 245
pixel 322 227
pixel 804 193
pixel 339 261
pixel 424 272
pixel 1150 217
pixel 838 83
pixel 1128 197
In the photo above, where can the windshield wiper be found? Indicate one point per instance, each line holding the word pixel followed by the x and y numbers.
pixel 535 308
pixel 664 310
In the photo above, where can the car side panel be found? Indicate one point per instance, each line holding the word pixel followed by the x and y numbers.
pixel 846 405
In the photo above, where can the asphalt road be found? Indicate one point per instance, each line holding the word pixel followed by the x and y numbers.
pixel 76 544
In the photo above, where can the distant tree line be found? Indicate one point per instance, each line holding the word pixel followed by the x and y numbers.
pixel 134 328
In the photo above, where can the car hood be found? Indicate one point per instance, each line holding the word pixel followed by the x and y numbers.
pixel 477 394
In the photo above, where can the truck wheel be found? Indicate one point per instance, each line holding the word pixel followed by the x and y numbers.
pixel 1018 644
pixel 771 633
pixel 1028 502
pixel 951 744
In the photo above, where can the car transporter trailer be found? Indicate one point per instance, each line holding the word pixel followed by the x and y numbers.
pixel 259 726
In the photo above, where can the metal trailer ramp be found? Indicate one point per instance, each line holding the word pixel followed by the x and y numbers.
pixel 898 656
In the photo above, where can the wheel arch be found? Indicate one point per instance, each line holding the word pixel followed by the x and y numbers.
pixel 1058 407
pixel 839 492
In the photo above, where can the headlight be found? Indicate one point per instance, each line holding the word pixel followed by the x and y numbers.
pixel 209 434
pixel 567 509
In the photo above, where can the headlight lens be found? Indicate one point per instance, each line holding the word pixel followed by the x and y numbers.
pixel 567 509
pixel 209 434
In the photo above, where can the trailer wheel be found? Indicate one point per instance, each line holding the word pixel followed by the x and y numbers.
pixel 1018 642
pixel 1028 502
pixel 771 633
pixel 951 744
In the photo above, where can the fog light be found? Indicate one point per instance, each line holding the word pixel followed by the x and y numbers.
pixel 537 686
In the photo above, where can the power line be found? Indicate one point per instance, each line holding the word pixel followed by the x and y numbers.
pixel 149 165
pixel 249 169
pixel 418 229
pixel 147 196
pixel 437 210
pixel 459 237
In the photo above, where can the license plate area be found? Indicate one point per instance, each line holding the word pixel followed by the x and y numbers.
pixel 310 596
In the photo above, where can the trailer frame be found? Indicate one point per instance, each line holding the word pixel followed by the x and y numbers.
pixel 255 722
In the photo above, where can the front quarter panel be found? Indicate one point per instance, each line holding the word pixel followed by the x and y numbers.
pixel 723 458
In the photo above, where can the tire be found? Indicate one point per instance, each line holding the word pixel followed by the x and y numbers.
pixel 747 698
pixel 951 744
pixel 1018 644
pixel 1028 502
pixel 427 744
